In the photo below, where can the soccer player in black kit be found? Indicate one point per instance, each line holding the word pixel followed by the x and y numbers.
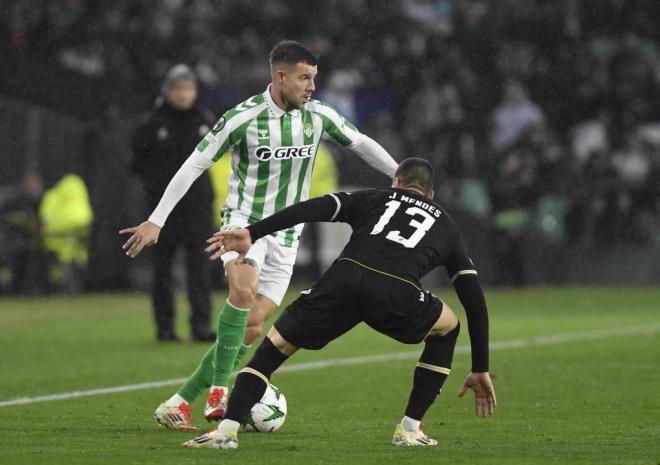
pixel 399 235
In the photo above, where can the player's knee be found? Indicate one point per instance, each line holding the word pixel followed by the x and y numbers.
pixel 450 331
pixel 454 332
pixel 280 343
pixel 447 322
pixel 439 350
pixel 242 295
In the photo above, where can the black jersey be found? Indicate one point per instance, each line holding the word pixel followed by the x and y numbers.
pixel 401 232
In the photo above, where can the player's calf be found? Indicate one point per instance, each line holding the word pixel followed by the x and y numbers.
pixel 430 374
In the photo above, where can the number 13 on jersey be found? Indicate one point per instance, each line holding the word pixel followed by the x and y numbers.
pixel 394 236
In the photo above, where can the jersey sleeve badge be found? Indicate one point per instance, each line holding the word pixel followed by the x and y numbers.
pixel 219 125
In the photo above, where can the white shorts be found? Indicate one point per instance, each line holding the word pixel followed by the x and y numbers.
pixel 275 263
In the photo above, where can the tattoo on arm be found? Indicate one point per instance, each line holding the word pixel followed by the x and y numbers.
pixel 247 261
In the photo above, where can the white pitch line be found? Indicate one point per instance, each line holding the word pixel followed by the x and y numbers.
pixel 552 339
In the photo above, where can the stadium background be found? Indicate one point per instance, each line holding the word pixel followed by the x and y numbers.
pixel 542 119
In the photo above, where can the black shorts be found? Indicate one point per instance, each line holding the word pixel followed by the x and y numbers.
pixel 348 294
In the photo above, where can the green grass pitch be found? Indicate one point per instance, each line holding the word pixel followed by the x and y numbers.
pixel 591 398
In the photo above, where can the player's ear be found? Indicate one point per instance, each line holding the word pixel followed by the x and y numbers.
pixel 396 182
pixel 430 194
pixel 277 75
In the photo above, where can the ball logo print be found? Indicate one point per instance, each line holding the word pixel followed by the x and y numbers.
pixel 268 414
pixel 265 153
pixel 219 125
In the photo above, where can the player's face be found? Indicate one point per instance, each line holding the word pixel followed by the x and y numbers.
pixel 298 84
pixel 182 95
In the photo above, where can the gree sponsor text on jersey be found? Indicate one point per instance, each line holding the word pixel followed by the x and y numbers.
pixel 265 153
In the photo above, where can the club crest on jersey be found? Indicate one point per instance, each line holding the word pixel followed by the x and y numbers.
pixel 265 153
pixel 308 130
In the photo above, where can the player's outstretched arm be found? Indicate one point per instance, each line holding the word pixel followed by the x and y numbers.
pixel 191 169
pixel 142 236
pixel 348 135
pixel 375 155
pixel 484 393
pixel 318 209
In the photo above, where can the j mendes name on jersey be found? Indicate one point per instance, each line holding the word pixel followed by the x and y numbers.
pixel 273 154
pixel 416 202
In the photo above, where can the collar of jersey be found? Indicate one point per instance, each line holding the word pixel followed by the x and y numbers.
pixel 277 111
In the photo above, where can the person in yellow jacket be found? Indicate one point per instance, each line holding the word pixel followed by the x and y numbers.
pixel 66 217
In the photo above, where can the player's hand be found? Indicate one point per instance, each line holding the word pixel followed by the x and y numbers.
pixel 484 393
pixel 142 236
pixel 237 240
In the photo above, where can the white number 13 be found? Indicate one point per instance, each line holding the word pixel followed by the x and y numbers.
pixel 394 236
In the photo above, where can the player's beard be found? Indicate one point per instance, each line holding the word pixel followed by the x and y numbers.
pixel 292 103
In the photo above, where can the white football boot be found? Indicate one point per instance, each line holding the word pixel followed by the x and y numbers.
pixel 411 438
pixel 214 439
pixel 176 417
pixel 216 404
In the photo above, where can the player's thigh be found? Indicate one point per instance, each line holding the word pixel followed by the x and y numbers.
pixel 242 277
pixel 445 323
pixel 244 274
pixel 324 312
pixel 276 271
pixel 398 308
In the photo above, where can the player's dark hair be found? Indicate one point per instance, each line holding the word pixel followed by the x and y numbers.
pixel 291 52
pixel 415 172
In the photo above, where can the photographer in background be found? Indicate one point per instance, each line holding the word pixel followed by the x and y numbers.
pixel 160 146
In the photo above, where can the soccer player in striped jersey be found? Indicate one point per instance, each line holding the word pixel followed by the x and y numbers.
pixel 273 138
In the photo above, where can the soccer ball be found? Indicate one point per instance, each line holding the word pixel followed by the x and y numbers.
pixel 268 414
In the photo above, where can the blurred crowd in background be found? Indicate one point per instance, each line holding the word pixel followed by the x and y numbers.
pixel 541 117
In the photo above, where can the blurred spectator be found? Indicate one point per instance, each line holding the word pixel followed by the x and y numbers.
pixel 512 194
pixel 22 256
pixel 434 110
pixel 589 137
pixel 66 217
pixel 631 164
pixel 340 90
pixel 632 81
pixel 160 147
pixel 515 115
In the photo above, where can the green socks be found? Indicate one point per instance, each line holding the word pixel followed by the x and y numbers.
pixel 231 328
pixel 231 331
pixel 200 379
pixel 203 376
pixel 241 353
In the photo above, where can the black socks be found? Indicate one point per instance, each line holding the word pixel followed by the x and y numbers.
pixel 431 372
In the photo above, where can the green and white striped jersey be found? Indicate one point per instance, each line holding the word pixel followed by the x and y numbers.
pixel 272 155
